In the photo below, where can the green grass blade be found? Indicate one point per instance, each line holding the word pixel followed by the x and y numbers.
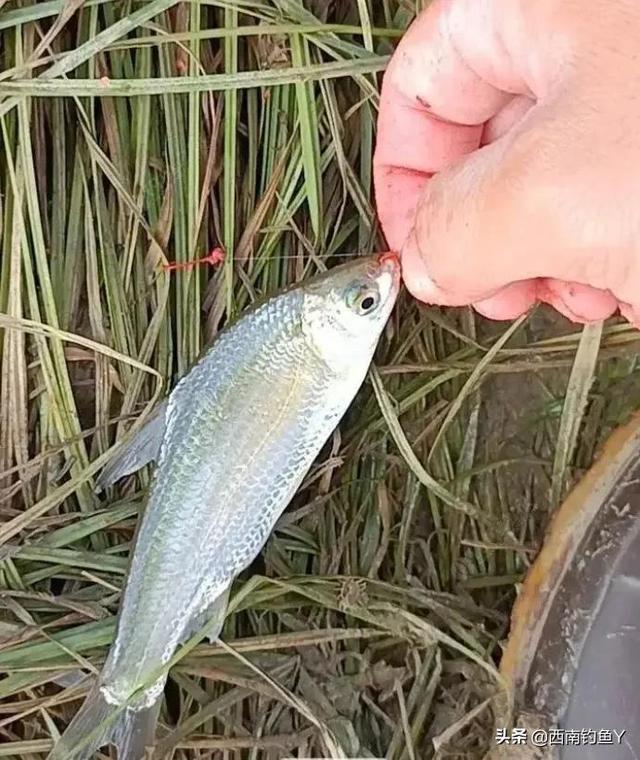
pixel 309 135
pixel 92 47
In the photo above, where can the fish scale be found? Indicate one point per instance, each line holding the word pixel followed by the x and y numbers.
pixel 240 432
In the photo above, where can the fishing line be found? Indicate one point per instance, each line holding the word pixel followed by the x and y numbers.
pixel 217 256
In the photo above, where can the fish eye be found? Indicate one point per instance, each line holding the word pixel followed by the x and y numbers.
pixel 362 299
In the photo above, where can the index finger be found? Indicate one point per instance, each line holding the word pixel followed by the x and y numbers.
pixel 449 76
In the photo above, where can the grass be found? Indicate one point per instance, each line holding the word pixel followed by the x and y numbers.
pixel 137 133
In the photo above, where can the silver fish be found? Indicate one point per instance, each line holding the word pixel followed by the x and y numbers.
pixel 233 442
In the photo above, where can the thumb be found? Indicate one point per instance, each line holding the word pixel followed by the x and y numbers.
pixel 517 221
pixel 476 235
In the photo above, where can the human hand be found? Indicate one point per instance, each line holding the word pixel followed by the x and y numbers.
pixel 507 167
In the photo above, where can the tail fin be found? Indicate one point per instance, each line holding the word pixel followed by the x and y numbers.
pixel 98 723
pixel 136 730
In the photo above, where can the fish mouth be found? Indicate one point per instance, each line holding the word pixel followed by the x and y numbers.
pixel 389 263
pixel 385 270
pixel 389 258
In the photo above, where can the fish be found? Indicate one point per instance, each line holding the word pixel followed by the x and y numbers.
pixel 231 444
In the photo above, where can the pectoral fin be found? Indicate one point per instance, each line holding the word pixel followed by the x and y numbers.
pixel 140 450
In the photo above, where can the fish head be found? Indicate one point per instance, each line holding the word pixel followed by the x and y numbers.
pixel 347 307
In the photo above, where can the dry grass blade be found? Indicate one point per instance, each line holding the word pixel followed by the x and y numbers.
pixel 440 741
pixel 330 742
pixel 471 383
pixel 40 328
pixel 412 461
pixel 243 80
pixel 575 402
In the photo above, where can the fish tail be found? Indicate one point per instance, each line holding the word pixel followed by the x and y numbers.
pixel 98 722
pixel 136 730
